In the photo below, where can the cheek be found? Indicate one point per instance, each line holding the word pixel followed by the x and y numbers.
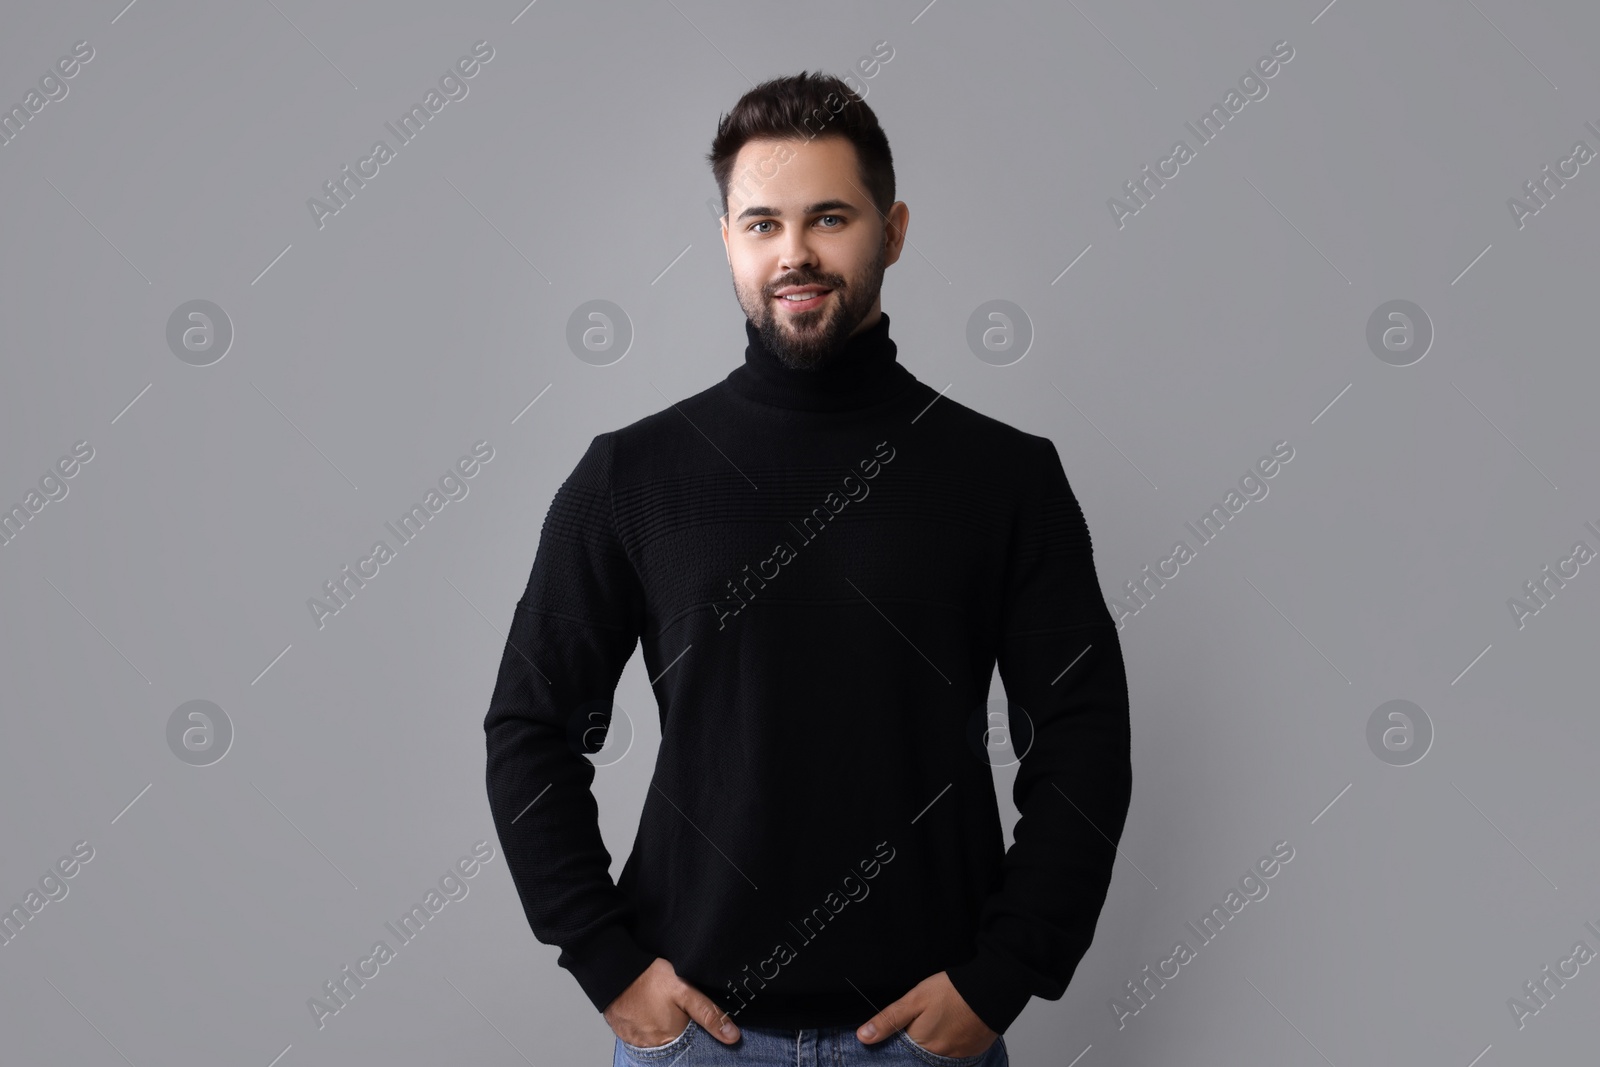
pixel 864 257
pixel 748 281
pixel 752 269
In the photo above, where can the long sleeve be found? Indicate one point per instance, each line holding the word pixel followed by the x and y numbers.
pixel 571 635
pixel 1061 665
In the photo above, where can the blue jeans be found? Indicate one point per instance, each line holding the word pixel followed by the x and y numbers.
pixel 835 1046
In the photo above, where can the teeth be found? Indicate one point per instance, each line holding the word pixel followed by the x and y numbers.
pixel 803 296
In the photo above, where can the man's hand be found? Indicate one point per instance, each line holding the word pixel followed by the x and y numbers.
pixel 945 1025
pixel 658 1005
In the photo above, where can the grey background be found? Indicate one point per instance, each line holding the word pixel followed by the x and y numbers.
pixel 1227 315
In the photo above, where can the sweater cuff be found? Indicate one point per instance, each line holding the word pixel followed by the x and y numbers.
pixel 605 963
pixel 990 983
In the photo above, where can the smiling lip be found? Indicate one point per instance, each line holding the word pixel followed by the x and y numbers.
pixel 819 293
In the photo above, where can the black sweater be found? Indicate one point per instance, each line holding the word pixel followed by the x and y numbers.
pixel 824 568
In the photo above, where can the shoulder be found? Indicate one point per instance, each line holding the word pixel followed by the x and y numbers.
pixel 611 455
pixel 956 416
pixel 1009 452
pixel 669 422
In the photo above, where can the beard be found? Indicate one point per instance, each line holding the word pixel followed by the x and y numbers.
pixel 805 340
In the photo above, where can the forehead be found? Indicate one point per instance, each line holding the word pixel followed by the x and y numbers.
pixel 824 167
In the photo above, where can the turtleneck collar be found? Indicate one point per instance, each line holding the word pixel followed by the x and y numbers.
pixel 864 371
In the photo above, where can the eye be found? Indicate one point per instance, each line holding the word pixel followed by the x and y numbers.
pixel 838 217
pixel 763 222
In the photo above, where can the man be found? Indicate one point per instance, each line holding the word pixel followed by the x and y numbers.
pixel 824 560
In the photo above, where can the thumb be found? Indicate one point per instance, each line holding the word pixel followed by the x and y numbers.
pixel 888 1021
pixel 705 1011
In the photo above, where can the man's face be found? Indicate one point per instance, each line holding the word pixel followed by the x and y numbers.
pixel 800 220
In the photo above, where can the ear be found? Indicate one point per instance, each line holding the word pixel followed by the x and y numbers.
pixel 895 225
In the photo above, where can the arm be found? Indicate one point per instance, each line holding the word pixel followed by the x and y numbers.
pixel 1074 782
pixel 572 633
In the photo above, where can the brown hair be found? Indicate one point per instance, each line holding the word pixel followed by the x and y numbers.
pixel 804 106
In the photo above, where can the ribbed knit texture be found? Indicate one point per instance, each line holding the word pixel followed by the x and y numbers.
pixel 823 569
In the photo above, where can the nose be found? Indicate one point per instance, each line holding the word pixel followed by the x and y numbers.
pixel 796 254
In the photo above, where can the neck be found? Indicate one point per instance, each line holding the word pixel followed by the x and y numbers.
pixel 863 371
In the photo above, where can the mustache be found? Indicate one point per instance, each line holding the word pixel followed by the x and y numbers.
pixel 782 283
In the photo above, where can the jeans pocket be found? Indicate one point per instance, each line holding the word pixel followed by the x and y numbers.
pixel 654 1053
pixel 934 1058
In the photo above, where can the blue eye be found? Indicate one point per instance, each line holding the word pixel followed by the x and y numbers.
pixel 838 221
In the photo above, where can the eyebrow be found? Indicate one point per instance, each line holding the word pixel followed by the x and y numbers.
pixel 819 206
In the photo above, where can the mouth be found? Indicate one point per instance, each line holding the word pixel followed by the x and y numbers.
pixel 796 298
